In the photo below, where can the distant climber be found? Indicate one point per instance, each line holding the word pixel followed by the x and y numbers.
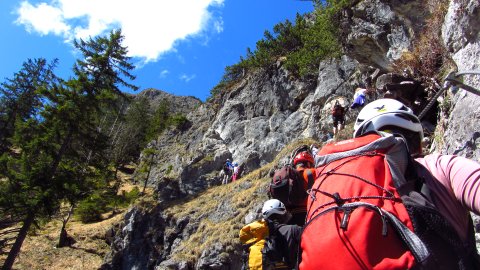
pixel 227 171
pixel 290 183
pixel 338 116
pixel 271 243
pixel 236 172
pixel 359 98
pixel 304 164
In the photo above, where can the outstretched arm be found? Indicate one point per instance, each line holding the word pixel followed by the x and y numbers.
pixel 455 188
pixel 464 176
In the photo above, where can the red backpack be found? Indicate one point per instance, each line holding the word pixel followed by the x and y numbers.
pixel 338 110
pixel 366 211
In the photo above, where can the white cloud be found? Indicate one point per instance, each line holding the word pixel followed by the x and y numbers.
pixel 218 26
pixel 43 19
pixel 187 78
pixel 150 27
pixel 164 73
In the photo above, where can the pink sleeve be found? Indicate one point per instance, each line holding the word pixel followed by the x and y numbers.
pixel 456 187
pixel 463 175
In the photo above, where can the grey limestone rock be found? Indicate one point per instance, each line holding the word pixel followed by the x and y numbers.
pixel 377 32
pixel 461 34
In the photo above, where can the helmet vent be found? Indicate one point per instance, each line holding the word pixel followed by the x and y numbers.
pixel 407 117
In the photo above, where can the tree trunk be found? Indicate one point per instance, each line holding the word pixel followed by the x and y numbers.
pixel 63 239
pixel 59 156
pixel 12 255
pixel 116 119
pixel 148 174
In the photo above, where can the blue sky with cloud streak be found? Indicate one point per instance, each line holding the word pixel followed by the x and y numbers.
pixel 180 46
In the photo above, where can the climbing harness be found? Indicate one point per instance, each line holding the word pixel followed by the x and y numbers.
pixel 452 81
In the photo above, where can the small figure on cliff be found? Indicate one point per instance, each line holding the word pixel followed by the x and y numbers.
pixel 236 172
pixel 359 98
pixel 338 116
pixel 227 171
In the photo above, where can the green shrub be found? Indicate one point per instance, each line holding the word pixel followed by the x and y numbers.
pixel 178 121
pixel 91 208
pixel 132 195
pixel 169 169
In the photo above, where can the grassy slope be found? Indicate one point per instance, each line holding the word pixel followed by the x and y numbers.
pixel 39 251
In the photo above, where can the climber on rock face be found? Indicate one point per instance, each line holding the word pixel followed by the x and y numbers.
pixel 227 171
pixel 236 172
pixel 338 117
pixel 359 98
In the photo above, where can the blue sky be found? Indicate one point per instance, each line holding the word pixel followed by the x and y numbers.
pixel 178 46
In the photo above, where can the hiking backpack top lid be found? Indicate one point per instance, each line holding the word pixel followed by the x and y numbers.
pixel 354 213
pixel 253 235
pixel 253 232
pixel 284 181
pixel 289 187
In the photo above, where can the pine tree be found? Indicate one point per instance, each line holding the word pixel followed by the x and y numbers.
pixel 19 98
pixel 55 145
pixel 131 133
pixel 159 121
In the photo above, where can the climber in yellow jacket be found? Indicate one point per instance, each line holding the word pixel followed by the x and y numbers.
pixel 272 243
pixel 253 235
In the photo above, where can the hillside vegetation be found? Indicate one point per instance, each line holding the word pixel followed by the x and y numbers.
pixel 301 44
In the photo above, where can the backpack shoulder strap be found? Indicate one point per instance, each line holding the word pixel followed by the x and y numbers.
pixel 414 180
pixel 310 179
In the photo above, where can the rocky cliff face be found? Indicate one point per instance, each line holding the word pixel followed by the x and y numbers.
pixel 177 104
pixel 255 120
pixel 461 35
pixel 266 111
pixel 377 32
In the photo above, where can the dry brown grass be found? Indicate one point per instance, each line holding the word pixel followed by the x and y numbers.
pixel 226 232
pixel 39 248
pixel 39 251
pixel 429 58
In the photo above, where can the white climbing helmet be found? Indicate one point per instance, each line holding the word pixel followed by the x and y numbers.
pixel 386 112
pixel 271 207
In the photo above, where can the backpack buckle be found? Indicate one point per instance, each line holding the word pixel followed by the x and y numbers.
pixel 338 200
